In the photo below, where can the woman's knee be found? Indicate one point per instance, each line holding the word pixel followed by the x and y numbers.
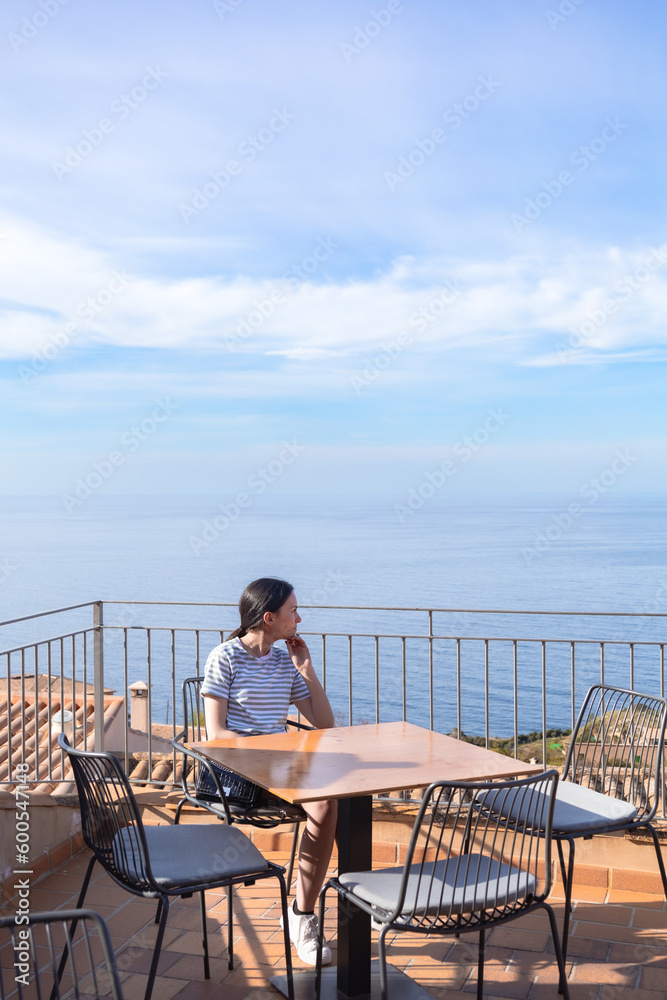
pixel 323 814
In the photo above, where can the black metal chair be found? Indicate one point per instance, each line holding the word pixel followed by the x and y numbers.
pixel 40 942
pixel 157 862
pixel 265 816
pixel 467 868
pixel 612 774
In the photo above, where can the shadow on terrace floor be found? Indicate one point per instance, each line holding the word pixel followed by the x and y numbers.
pixel 618 946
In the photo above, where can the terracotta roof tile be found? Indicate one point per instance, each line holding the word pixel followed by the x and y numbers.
pixel 37 744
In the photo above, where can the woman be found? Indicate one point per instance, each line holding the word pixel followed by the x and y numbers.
pixel 248 687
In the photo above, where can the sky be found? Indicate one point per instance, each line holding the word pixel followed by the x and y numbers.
pixel 338 247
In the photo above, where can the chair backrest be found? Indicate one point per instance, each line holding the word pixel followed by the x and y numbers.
pixel 617 746
pixel 38 943
pixel 193 710
pixel 110 819
pixel 494 837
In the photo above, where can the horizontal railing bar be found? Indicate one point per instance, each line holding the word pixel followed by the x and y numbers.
pixel 43 614
pixel 400 635
pixel 45 642
pixel 390 607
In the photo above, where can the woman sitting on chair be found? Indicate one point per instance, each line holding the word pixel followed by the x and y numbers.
pixel 248 687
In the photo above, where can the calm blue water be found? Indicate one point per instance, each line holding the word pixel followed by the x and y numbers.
pixel 463 553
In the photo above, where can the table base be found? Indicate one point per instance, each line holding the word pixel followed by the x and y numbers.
pixel 401 987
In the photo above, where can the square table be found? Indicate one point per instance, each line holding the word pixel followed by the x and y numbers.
pixel 352 764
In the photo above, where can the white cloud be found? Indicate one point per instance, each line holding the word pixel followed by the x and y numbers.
pixel 520 305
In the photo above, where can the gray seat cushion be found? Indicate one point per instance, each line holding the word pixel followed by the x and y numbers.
pixel 576 810
pixel 189 855
pixel 466 884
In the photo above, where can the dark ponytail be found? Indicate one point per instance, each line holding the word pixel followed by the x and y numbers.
pixel 260 596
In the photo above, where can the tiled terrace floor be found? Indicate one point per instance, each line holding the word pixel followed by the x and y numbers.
pixel 618 946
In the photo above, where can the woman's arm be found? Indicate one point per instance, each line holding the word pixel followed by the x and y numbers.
pixel 215 714
pixel 316 708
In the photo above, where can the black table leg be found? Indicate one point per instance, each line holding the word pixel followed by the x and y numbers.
pixel 355 854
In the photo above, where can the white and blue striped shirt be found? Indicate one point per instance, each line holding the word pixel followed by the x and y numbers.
pixel 258 689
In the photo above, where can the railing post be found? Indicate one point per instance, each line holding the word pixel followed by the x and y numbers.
pixel 431 707
pixel 98 674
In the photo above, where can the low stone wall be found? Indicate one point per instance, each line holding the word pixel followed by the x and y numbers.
pixel 54 836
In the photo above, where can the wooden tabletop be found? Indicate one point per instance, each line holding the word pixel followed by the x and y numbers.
pixel 306 766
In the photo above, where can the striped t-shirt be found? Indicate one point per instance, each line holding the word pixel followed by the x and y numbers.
pixel 258 689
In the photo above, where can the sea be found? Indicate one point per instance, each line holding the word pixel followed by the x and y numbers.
pixel 495 569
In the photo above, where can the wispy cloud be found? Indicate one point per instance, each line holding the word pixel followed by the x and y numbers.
pixel 521 304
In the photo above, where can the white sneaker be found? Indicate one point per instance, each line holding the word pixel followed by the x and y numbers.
pixel 303 934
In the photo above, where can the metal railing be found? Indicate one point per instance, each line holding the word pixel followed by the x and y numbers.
pixel 483 673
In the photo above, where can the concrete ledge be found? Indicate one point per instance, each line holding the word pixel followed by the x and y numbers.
pixel 54 821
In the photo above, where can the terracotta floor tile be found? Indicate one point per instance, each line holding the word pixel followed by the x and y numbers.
pixel 251 976
pixel 446 994
pixel 606 914
pixel 70 882
pixel 190 920
pixel 653 979
pixel 139 960
pixel 639 954
pixel 134 988
pixel 128 920
pixel 590 894
pixel 614 973
pixel 190 943
pixel 622 993
pixel 42 898
pixel 510 936
pixel 499 983
pixel 538 920
pixel 440 975
pixel 578 991
pixel 191 967
pixel 610 932
pixel 214 991
pixel 581 947
pixel 107 894
pixel 646 899
pixel 649 918
pixel 538 967
pixel 146 937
